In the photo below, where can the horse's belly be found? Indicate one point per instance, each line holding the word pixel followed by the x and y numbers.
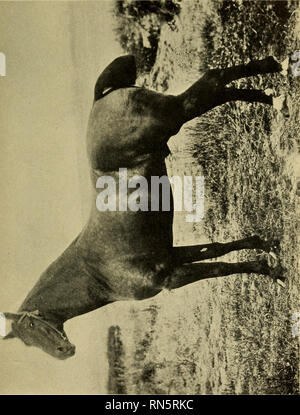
pixel 119 234
pixel 136 214
pixel 136 276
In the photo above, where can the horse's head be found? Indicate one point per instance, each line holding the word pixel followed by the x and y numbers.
pixel 33 330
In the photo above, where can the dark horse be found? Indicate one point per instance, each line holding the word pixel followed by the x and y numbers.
pixel 122 255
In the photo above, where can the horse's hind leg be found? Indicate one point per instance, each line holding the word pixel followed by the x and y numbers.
pixel 255 95
pixel 188 254
pixel 187 274
pixel 247 95
pixel 209 91
pixel 255 67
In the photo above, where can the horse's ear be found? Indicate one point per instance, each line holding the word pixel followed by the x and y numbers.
pixel 11 316
pixel 10 335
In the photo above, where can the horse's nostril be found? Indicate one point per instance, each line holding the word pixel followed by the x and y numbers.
pixel 70 350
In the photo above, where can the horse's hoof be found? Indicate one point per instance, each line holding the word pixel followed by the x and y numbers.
pixel 278 273
pixel 273 63
pixel 275 246
pixel 272 247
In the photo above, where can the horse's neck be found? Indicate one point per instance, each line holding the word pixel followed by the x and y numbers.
pixel 67 288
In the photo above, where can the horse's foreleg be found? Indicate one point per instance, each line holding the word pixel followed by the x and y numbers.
pixel 188 254
pixel 247 95
pixel 187 274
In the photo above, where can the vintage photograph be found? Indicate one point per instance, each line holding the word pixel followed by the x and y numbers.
pixel 150 168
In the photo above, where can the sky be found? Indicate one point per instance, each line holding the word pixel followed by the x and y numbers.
pixel 54 52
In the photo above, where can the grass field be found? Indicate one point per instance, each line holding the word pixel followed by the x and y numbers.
pixel 233 334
